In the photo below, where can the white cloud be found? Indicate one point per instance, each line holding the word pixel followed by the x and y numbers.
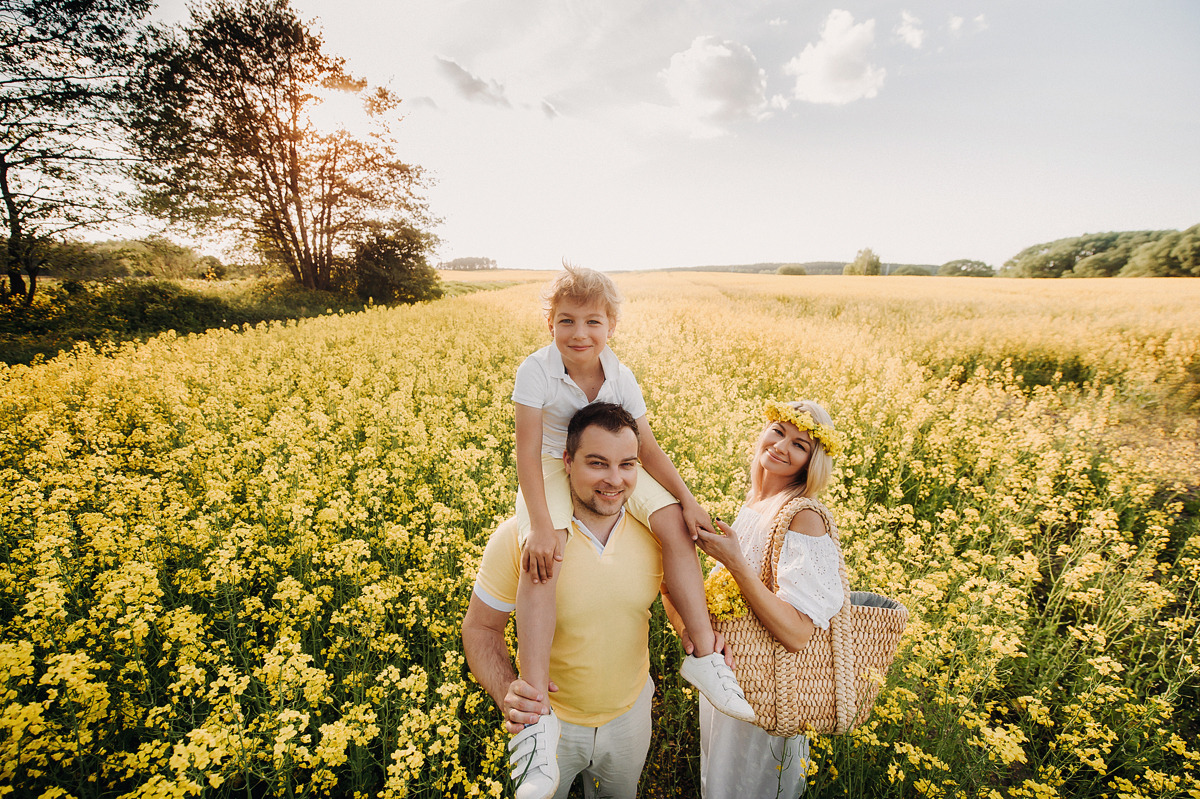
pixel 837 69
pixel 471 86
pixel 910 30
pixel 716 81
pixel 980 23
pixel 955 24
pixel 777 22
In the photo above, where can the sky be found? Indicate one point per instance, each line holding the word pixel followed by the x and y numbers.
pixel 649 134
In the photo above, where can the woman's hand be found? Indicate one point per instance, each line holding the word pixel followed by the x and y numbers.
pixel 724 547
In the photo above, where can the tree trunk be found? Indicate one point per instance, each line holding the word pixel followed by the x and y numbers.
pixel 33 276
pixel 16 284
pixel 12 249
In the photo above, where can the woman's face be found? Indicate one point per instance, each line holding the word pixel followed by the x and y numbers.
pixel 784 450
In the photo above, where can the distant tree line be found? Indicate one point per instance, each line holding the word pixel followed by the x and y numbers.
pixel 468 264
pixel 1142 253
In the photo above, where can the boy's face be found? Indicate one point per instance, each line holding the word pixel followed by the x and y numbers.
pixel 580 331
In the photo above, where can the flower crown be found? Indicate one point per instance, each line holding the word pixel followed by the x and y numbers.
pixel 833 441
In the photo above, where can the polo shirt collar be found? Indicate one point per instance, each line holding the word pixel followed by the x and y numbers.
pixel 583 528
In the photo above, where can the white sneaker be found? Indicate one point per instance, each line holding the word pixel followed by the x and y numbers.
pixel 535 758
pixel 713 678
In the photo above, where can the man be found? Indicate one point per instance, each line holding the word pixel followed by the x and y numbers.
pixel 600 661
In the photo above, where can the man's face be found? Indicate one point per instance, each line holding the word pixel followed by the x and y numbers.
pixel 603 470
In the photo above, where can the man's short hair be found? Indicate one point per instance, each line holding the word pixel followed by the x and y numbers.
pixel 606 415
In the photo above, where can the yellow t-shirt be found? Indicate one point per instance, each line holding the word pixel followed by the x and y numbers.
pixel 600 657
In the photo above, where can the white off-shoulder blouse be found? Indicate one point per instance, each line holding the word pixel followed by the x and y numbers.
pixel 809 578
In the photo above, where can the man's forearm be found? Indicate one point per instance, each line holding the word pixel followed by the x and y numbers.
pixel 487 655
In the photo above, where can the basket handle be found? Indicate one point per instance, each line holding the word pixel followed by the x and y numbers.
pixel 841 632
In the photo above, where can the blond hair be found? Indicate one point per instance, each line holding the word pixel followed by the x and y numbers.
pixel 812 479
pixel 584 286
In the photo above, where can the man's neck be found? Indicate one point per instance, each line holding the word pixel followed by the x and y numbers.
pixel 599 526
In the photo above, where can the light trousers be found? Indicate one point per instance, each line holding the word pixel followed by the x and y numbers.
pixel 609 757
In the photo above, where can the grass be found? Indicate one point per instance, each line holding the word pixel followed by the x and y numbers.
pixel 65 313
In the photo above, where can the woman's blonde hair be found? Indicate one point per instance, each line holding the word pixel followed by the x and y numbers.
pixel 584 286
pixel 811 480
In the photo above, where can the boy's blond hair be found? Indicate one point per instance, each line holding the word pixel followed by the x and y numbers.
pixel 582 285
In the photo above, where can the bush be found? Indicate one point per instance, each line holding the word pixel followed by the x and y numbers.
pixel 911 269
pixel 390 266
pixel 792 269
pixel 965 268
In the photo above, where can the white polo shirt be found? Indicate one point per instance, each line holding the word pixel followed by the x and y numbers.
pixel 543 382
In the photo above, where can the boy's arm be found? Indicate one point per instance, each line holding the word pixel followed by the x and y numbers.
pixel 487 658
pixel 659 466
pixel 541 550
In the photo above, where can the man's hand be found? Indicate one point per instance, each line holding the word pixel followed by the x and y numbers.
pixel 696 519
pixel 541 550
pixel 523 705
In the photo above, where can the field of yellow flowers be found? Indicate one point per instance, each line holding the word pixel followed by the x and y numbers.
pixel 235 564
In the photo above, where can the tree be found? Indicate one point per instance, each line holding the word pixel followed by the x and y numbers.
pixel 61 64
pixel 468 264
pixel 1090 255
pixel 865 263
pixel 224 121
pixel 390 265
pixel 965 268
pixel 912 270
pixel 1174 255
pixel 791 269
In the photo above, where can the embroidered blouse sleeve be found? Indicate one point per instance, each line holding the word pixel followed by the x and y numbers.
pixel 809 578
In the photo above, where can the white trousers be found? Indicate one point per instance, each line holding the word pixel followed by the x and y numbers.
pixel 610 757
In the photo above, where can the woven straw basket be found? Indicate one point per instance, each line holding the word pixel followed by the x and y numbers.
pixel 829 686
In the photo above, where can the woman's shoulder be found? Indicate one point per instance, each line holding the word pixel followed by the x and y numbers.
pixel 810 518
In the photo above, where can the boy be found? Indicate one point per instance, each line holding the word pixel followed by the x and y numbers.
pixel 578 368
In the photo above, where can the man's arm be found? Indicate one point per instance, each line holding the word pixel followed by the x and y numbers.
pixel 487 657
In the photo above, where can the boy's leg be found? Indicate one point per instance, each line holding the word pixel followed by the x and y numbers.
pixel 681 572
pixel 537 613
pixel 705 668
pixel 536 773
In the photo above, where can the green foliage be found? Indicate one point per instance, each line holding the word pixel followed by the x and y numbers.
pixel 965 268
pixel 1173 255
pixel 791 269
pixel 59 67
pixel 222 121
pixel 1141 253
pixel 910 269
pixel 865 263
pixel 389 265
pixel 153 256
pixel 73 311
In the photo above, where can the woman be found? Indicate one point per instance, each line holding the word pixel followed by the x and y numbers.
pixel 792 458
